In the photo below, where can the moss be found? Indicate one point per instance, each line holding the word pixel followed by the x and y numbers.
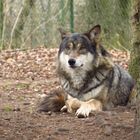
pixel 7 108
pixel 134 67
pixel 22 86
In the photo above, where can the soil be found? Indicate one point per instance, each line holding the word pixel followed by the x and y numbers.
pixel 25 78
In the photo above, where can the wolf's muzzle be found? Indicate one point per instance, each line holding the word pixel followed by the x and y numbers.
pixel 72 62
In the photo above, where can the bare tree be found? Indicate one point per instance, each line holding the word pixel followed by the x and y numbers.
pixel 72 15
pixel 135 62
pixel 21 20
pixel 1 20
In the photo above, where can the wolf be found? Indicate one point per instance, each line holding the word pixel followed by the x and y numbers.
pixel 89 79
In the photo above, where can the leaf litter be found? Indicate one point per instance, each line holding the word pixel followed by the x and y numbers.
pixel 26 76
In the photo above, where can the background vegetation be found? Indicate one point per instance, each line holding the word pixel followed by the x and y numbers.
pixel 31 23
pixel 27 75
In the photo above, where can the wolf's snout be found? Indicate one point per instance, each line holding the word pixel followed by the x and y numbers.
pixel 71 62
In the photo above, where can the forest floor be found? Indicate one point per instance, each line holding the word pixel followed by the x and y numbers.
pixel 25 77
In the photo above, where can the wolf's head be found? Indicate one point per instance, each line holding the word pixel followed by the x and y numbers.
pixel 81 51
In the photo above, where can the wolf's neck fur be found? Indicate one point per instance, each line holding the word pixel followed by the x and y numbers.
pixel 76 82
pixel 75 78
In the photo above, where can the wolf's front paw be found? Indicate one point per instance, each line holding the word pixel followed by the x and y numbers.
pixel 64 108
pixel 83 111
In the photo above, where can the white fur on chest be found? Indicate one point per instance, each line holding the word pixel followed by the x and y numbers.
pixel 94 93
pixel 77 79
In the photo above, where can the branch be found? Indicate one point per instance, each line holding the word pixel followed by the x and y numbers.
pixel 14 26
pixel 28 37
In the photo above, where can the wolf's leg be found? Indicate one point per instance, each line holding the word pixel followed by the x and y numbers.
pixel 71 105
pixel 65 107
pixel 87 107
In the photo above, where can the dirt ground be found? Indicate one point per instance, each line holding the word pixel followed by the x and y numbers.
pixel 25 77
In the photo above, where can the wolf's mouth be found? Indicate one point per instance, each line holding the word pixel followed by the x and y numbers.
pixel 74 66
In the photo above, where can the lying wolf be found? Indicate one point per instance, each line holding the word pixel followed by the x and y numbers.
pixel 89 79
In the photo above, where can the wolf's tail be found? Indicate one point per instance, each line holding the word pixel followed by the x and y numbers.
pixel 52 102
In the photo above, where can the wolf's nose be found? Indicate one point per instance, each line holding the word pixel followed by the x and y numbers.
pixel 71 62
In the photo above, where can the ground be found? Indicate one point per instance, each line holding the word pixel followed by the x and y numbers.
pixel 25 77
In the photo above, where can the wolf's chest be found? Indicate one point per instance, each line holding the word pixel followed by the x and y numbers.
pixel 84 86
pixel 73 85
pixel 81 89
pixel 95 93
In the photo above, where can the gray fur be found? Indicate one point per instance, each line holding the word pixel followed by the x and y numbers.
pixel 104 81
pixel 93 76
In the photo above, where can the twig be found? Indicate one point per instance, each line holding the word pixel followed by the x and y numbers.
pixel 28 37
pixel 14 26
pixel 3 31
pixel 4 26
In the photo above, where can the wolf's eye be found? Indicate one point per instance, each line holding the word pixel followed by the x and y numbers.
pixel 82 49
pixel 69 45
pixel 68 48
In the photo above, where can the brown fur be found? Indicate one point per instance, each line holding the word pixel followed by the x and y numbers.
pixel 54 101
pixel 90 79
pixel 73 104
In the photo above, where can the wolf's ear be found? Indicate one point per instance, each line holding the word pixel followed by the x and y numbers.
pixel 94 33
pixel 63 33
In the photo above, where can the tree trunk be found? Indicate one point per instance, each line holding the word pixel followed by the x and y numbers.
pixel 28 4
pixel 134 67
pixel 1 20
pixel 137 123
pixel 72 15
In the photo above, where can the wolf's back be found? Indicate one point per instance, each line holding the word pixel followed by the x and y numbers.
pixel 121 86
